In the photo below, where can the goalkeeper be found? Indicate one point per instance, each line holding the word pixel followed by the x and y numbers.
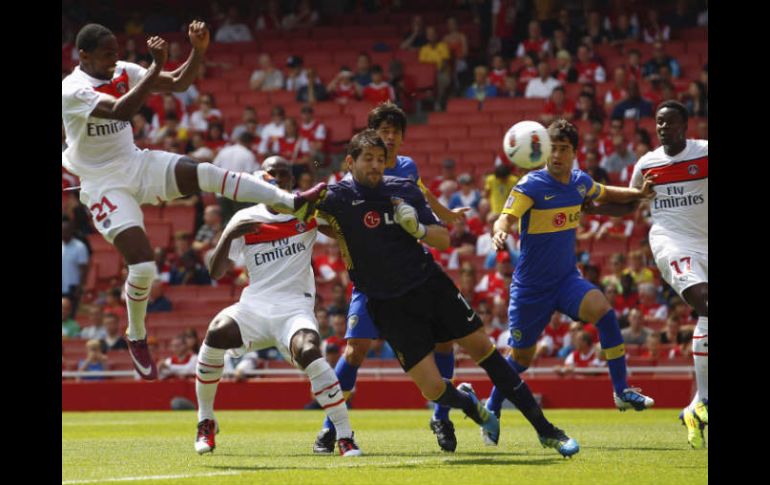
pixel 378 220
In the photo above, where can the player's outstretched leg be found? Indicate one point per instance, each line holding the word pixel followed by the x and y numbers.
pixel 208 372
pixel 346 374
pixel 464 398
pixel 440 423
pixel 495 402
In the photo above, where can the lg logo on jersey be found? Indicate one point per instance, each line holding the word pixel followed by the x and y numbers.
pixel 372 219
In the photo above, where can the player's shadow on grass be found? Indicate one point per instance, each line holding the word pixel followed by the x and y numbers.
pixel 633 448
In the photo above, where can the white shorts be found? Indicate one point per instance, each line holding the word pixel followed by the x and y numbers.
pixel 682 268
pixel 265 325
pixel 114 198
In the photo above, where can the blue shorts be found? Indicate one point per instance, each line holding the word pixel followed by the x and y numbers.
pixel 360 324
pixel 530 309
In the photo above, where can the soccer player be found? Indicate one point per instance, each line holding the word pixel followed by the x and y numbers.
pixel 389 121
pixel 413 304
pixel 276 309
pixel 679 235
pixel 546 203
pixel 99 98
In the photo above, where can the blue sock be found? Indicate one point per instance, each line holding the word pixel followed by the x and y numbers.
pixel 614 350
pixel 496 398
pixel 446 367
pixel 347 374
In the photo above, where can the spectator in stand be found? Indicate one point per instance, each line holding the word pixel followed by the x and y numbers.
pixel 558 106
pixel 588 69
pixel 206 112
pixel 273 130
pixel 233 30
pixel 113 302
pixel 695 100
pixel 543 85
pixel 634 106
pixel 304 182
pixel 565 72
pixel 189 270
pixel 216 138
pixel 633 66
pixel 467 286
pixel 329 266
pixel 615 228
pixel 170 135
pixel 484 245
pixel 497 187
pixel 672 333
pixel 564 23
pixel 636 268
pixel 208 234
pixel 436 52
pixel 617 263
pixel 594 32
pixel 447 173
pixel 648 304
pixel 141 130
pixel 157 301
pixel 617 91
pixel 636 333
pixel 527 72
pixel 497 282
pixel 679 308
pixel 191 340
pixel 294 149
pixel 462 240
pixel 380 349
pixel 446 189
pixel 95 328
pixel 304 17
pixel 510 89
pixel 74 265
pixel 535 41
pixel 270 18
pixel 314 132
pixel 621 156
pixel 363 76
pixel 249 124
pixel 114 339
pixel 623 31
pixel 378 91
pixel 552 340
pixel 480 89
pixel 164 106
pixel 458 49
pixel 339 327
pixel 69 327
pixel 95 361
pixel 560 42
pixel 238 157
pixel 132 54
pixel 296 76
pixel 267 77
pixel 332 356
pixel 467 196
pixel 587 227
pixel 324 327
pixel 417 36
pixel 652 68
pixel 175 57
pixel 314 91
pixel 654 30
pixel 587 109
pixel 651 349
pixel 583 356
pixel 181 363
pixel 342 89
pixel 499 71
pixel 593 168
pixel 339 301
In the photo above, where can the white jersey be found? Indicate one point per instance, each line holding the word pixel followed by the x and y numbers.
pixel 277 257
pixel 93 144
pixel 680 205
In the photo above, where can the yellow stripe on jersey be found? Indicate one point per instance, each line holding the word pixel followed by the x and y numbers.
pixel 542 221
pixel 340 237
pixel 597 190
pixel 422 186
pixel 517 204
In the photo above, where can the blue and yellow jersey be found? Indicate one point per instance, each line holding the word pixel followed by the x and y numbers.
pixel 548 213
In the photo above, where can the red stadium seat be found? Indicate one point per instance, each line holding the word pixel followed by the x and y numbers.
pixel 340 128
pixel 282 97
pixel 159 233
pixel 107 263
pixel 327 108
pixel 486 131
pixel 423 76
pixel 359 111
pixel 462 105
pixel 181 218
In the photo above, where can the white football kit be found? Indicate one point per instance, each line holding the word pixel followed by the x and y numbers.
pixel 280 297
pixel 679 233
pixel 116 176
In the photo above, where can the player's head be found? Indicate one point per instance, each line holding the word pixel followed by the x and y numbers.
pixel 280 169
pixel 564 141
pixel 98 50
pixel 389 121
pixel 366 158
pixel 671 123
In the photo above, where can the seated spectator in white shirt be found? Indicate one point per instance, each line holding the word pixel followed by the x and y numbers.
pixel 273 130
pixel 541 86
pixel 267 77
pixel 232 30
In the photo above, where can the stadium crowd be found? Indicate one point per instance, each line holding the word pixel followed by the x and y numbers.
pixel 603 65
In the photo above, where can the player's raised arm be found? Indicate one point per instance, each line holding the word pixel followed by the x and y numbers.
pixel 127 106
pixel 446 214
pixel 180 79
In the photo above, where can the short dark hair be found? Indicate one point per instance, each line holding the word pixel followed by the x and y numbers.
pixel 674 105
pixel 246 138
pixel 366 139
pixel 562 129
pixel 90 35
pixel 387 112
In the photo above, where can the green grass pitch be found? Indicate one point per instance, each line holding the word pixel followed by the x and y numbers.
pixel 275 447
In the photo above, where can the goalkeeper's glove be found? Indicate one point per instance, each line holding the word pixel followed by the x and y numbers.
pixel 406 216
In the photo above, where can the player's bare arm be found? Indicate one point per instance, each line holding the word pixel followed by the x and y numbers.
pixel 128 105
pixel 218 262
pixel 446 215
pixel 502 228
pixel 181 78
pixel 620 201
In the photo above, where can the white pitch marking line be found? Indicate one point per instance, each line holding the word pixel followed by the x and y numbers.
pixel 150 477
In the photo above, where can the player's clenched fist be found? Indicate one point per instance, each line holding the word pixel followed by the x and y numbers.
pixel 406 216
pixel 199 35
pixel 158 49
pixel 498 239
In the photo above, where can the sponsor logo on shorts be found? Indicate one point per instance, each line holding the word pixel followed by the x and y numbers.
pixel 352 321
pixel 516 335
pixel 559 219
pixel 372 219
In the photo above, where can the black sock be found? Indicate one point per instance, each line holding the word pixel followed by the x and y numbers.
pixel 515 390
pixel 460 400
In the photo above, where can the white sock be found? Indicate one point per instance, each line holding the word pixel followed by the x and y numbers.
pixel 242 187
pixel 208 372
pixel 327 391
pixel 138 284
pixel 700 351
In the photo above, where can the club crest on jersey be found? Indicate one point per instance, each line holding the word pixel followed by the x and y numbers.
pixel 693 169
pixel 581 190
pixel 559 219
pixel 300 227
pixel 516 335
pixel 372 219
pixel 352 321
pixel 121 87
